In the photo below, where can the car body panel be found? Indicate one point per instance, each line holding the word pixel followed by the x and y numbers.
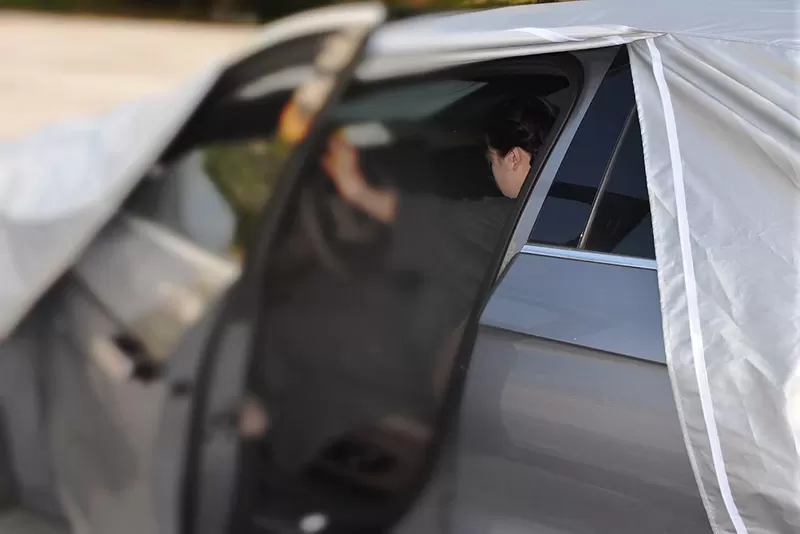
pixel 605 307
pixel 576 433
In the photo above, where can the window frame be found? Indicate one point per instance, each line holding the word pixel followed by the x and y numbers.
pixel 588 256
pixel 595 64
pixel 606 178
pixel 533 204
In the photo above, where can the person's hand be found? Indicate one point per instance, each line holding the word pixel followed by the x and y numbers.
pixel 253 418
pixel 341 163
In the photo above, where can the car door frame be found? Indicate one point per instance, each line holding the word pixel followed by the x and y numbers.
pixel 596 64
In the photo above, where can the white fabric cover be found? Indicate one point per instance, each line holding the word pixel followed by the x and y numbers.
pixel 719 123
pixel 59 186
pixel 716 84
pixel 717 91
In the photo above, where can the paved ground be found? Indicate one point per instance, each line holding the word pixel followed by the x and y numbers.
pixel 54 68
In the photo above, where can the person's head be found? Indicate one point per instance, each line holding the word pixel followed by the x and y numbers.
pixel 516 130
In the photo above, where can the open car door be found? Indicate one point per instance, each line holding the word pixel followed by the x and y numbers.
pixel 159 316
pixel 314 397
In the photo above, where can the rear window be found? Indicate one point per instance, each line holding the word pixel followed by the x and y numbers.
pixel 599 200
pixel 566 209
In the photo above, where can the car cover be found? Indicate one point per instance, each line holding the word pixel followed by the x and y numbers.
pixel 716 88
pixel 60 185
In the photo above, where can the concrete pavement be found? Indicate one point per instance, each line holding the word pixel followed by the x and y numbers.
pixel 54 68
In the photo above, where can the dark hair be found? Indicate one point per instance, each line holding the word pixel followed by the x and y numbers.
pixel 519 122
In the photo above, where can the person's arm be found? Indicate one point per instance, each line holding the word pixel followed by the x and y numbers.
pixel 440 237
pixel 342 165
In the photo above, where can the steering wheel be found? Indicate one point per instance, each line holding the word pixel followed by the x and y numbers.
pixel 345 240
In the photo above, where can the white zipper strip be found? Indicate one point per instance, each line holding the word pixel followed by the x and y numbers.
pixel 693 311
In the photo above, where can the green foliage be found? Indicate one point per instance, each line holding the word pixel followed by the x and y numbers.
pixel 245 174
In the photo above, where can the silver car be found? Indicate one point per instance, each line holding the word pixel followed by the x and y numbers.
pixel 234 266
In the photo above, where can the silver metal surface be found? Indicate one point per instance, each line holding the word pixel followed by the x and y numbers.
pixel 588 256
pixel 610 308
pixel 560 439
pixel 21 521
pixel 568 424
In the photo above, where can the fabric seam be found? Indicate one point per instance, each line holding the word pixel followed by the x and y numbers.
pixel 785 46
pixel 668 346
pixel 693 312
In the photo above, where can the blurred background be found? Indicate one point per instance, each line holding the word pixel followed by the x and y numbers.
pixel 224 10
pixel 64 59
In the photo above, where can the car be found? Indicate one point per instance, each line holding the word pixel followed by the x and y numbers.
pixel 232 263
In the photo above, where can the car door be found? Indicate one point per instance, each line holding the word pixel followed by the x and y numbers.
pixel 377 377
pixel 568 422
pixel 136 315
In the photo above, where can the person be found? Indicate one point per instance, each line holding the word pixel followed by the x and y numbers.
pixel 451 241
pixel 449 244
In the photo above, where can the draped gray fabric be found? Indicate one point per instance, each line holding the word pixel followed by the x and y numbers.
pixel 717 89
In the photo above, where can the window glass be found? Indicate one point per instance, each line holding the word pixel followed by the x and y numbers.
pixel 622 224
pixel 566 209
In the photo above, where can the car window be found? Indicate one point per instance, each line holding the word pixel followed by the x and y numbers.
pixel 622 223
pixel 566 208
